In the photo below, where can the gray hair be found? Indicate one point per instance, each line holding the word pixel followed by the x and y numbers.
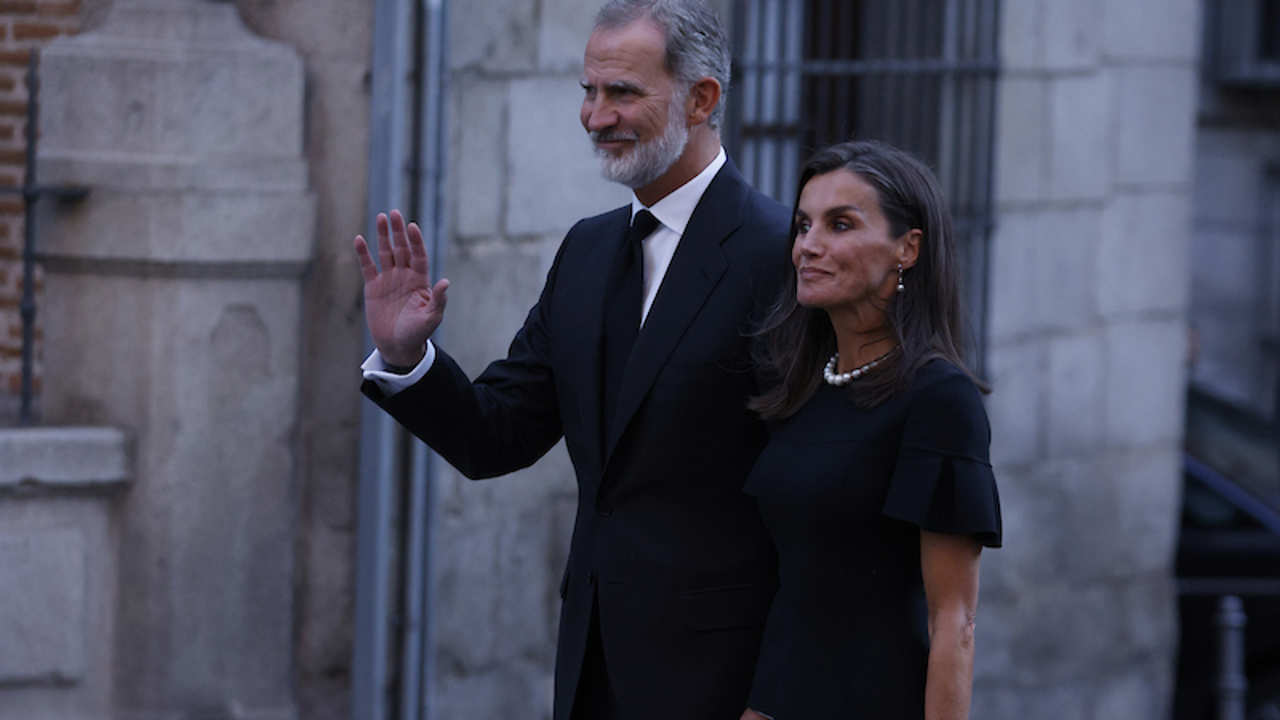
pixel 696 44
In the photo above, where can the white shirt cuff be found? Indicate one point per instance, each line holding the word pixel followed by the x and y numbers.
pixel 375 371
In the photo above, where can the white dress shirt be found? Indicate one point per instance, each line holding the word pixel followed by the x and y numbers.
pixel 673 213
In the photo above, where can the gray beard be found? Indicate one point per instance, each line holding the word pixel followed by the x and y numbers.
pixel 647 160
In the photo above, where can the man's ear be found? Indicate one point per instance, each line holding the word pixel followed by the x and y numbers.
pixel 703 98
pixel 909 247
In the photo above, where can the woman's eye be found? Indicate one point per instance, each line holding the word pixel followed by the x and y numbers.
pixel 802 227
pixel 840 226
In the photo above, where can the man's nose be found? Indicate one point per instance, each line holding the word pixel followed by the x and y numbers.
pixel 598 115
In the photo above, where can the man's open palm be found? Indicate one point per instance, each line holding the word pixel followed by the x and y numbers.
pixel 400 305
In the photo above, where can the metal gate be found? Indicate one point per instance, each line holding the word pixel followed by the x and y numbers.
pixel 919 74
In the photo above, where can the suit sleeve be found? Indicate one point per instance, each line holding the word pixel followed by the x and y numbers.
pixel 504 420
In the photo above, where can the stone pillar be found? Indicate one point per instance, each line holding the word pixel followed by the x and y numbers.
pixel 172 310
pixel 1088 349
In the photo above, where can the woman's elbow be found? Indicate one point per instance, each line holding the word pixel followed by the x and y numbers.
pixel 954 625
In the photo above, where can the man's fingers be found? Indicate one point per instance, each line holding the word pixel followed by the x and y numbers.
pixel 367 268
pixel 384 243
pixel 399 243
pixel 439 295
pixel 418 259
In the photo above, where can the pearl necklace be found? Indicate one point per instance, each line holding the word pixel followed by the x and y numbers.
pixel 833 378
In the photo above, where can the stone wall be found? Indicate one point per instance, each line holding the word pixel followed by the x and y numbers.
pixel 1087 355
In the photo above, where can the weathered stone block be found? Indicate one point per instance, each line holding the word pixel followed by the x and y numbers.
pixel 563 29
pixel 493 286
pixel 1146 378
pixel 1021 43
pixel 42 618
pixel 270 232
pixel 1155 114
pixel 1076 406
pixel 1143 257
pixel 480 136
pixel 1021 140
pixel 556 179
pixel 1150 29
pixel 493 35
pixel 1080 122
pixel 1147 490
pixel 997 699
pixel 1015 404
pixel 1031 252
pixel 1018 646
pixel 172 79
pixel 1142 692
pixel 1070 34
pixel 63 456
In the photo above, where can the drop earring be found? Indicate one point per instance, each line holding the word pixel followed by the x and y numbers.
pixel 901 287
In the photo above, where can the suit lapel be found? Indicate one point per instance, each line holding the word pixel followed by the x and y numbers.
pixel 603 251
pixel 695 270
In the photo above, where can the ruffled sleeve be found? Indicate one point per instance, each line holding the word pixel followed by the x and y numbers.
pixel 942 480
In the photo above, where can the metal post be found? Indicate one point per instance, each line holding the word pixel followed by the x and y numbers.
pixel 1232 683
pixel 380 468
pixel 27 308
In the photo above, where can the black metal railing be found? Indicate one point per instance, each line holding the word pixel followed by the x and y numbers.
pixel 31 191
pixel 1227 557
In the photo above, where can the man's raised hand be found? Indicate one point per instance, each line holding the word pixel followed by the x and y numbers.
pixel 400 305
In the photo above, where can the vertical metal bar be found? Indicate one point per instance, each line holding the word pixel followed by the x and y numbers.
pixel 842 36
pixel 27 306
pixel 413 544
pixel 824 86
pixel 985 229
pixel 735 109
pixel 1232 683
pixel 760 115
pixel 432 81
pixel 780 115
pixel 947 96
pixel 911 29
pixel 379 435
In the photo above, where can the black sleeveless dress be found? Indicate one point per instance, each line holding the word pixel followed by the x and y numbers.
pixel 845 492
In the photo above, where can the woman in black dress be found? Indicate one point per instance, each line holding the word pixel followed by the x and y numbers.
pixel 876 482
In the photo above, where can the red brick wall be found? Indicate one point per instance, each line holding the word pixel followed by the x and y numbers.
pixel 24 25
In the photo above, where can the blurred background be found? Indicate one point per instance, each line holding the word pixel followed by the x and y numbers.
pixel 201 518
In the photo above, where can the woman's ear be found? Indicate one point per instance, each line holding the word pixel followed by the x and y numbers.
pixel 909 247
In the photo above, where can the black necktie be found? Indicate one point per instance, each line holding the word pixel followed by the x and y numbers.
pixel 622 312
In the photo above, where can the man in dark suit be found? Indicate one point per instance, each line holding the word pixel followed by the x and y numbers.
pixel 637 353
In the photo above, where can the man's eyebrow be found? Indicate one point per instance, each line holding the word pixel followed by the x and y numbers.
pixel 623 85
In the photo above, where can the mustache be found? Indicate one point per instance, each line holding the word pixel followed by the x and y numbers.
pixel 599 136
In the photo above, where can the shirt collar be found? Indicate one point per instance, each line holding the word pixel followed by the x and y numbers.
pixel 674 210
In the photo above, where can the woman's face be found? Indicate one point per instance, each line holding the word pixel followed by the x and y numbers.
pixel 845 257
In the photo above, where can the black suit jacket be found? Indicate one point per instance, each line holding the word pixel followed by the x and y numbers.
pixel 675 555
